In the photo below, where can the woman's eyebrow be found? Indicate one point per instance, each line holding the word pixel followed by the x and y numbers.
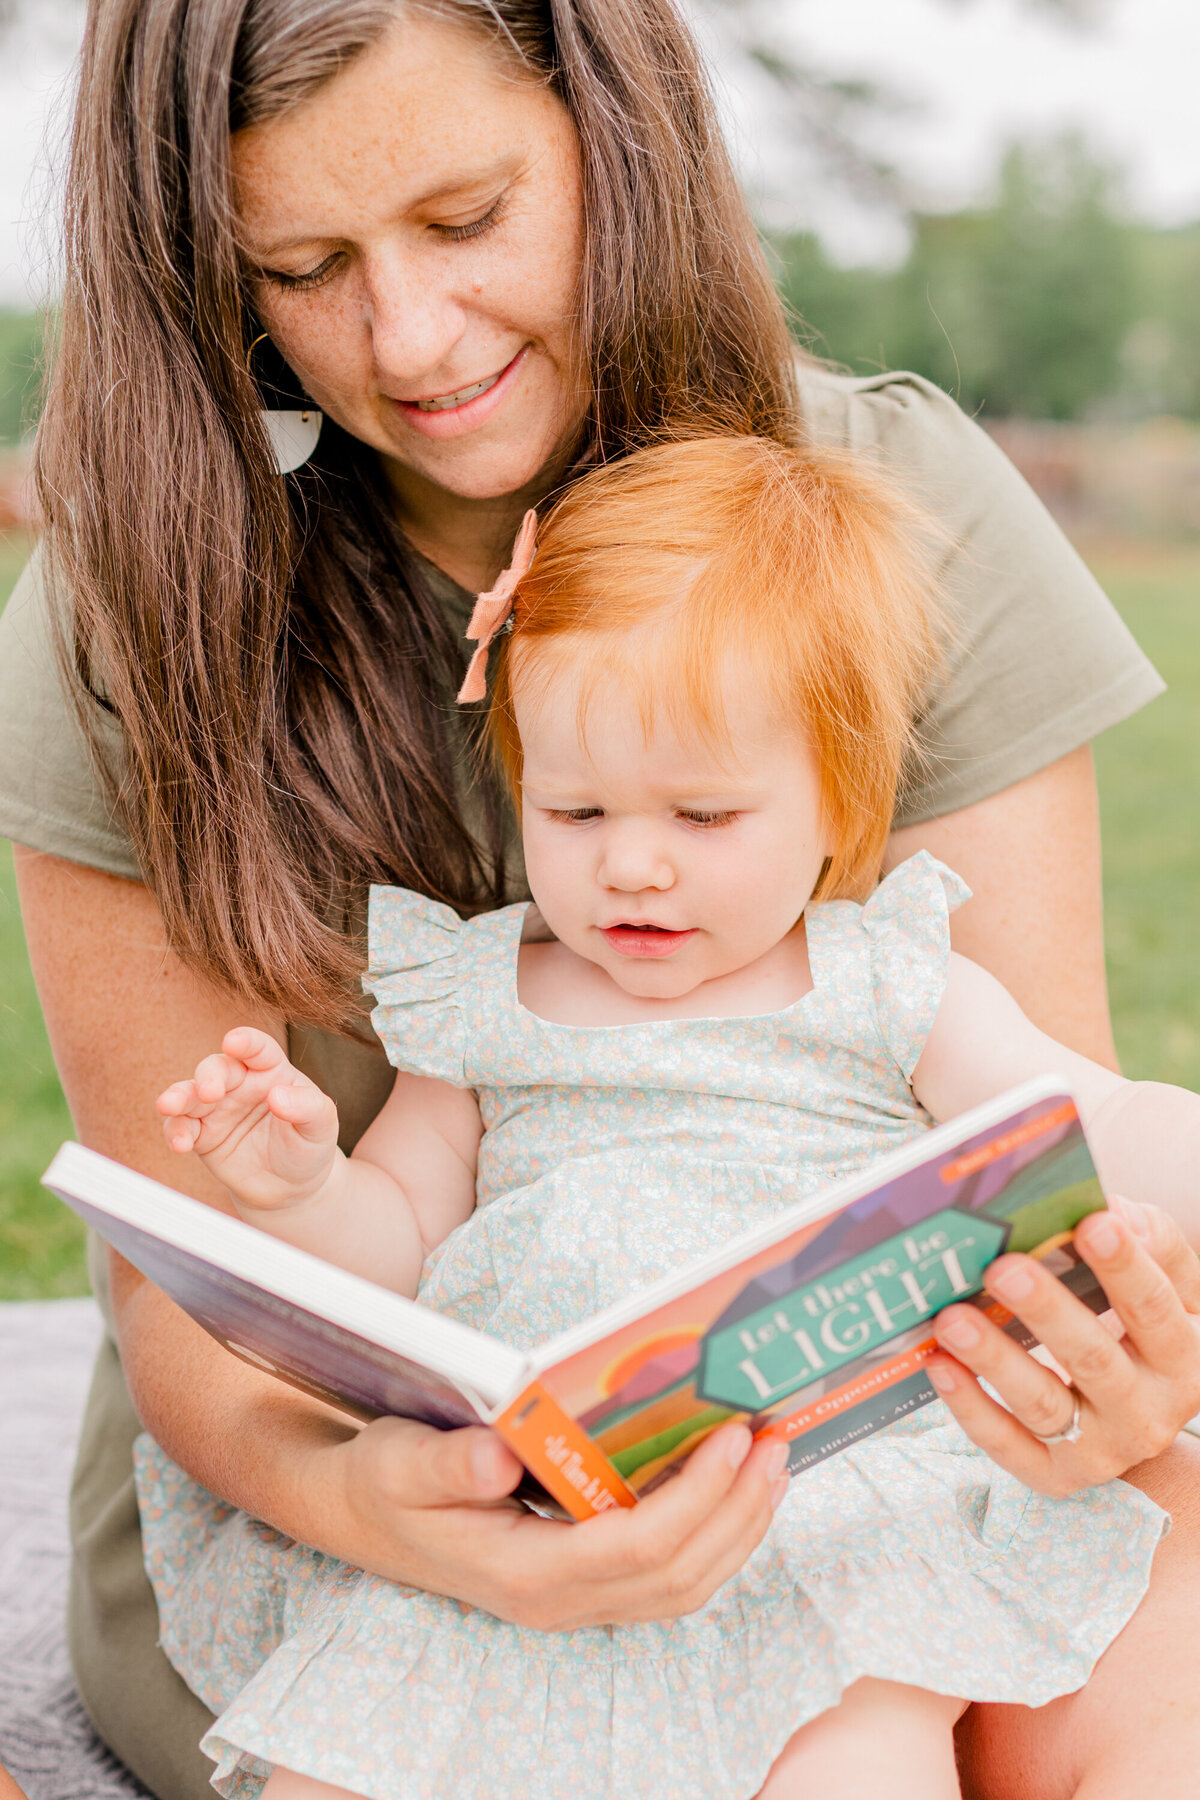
pixel 504 166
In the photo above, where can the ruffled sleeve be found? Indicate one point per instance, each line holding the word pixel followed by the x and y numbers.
pixel 907 920
pixel 414 952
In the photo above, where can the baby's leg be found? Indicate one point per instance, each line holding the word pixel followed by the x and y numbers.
pixel 883 1738
pixel 282 1784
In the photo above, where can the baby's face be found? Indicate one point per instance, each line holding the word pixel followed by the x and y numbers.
pixel 656 856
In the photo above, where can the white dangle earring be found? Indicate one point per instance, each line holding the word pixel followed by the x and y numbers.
pixel 291 431
pixel 293 436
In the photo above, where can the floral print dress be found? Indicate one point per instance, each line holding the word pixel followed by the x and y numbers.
pixel 611 1155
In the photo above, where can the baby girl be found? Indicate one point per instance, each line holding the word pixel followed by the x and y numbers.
pixel 707 670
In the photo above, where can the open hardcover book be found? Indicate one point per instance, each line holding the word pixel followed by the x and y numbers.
pixel 813 1328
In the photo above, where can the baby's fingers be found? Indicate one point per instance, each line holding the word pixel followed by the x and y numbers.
pixel 302 1105
pixel 179 1098
pixel 218 1075
pixel 181 1134
pixel 255 1048
pixel 181 1115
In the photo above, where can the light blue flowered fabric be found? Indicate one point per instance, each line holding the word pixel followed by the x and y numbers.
pixel 611 1156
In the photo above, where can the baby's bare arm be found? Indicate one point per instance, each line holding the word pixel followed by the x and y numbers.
pixel 1145 1135
pixel 429 1132
pixel 269 1135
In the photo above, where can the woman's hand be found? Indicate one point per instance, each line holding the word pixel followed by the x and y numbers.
pixel 431 1509
pixel 1135 1391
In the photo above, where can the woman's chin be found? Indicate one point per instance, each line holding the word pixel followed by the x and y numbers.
pixel 471 468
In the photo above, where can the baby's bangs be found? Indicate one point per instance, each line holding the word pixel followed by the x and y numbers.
pixel 673 667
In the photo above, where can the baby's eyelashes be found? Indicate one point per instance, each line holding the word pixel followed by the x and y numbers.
pixel 576 815
pixel 702 817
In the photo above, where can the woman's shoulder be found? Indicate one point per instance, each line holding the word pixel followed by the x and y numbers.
pixel 912 426
pixel 1037 661
pixel 52 796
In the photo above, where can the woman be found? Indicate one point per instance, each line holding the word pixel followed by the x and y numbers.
pixel 491 242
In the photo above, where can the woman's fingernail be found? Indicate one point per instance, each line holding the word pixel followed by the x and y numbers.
pixel 960 1334
pixel 942 1378
pixel 485 1462
pixel 1012 1283
pixel 779 1490
pixel 737 1446
pixel 1103 1238
pixel 1133 1215
pixel 777 1461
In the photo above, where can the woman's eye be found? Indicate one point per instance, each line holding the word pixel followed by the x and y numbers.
pixel 476 227
pixel 576 815
pixel 312 278
pixel 705 820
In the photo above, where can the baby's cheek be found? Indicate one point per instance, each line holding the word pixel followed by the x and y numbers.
pixel 560 887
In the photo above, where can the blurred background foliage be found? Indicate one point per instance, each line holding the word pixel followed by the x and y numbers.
pixel 1046 302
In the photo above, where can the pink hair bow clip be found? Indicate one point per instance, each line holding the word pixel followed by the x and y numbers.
pixel 494 609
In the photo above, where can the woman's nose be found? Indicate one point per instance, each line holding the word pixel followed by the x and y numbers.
pixel 634 862
pixel 415 319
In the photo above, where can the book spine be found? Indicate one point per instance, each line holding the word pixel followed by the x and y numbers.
pixel 561 1455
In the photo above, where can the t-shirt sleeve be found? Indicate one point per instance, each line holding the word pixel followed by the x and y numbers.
pixel 1039 662
pixel 51 796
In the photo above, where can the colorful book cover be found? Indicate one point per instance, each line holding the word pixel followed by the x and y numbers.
pixel 821 1339
pixel 814 1329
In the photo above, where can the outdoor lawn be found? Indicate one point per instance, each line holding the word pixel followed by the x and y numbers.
pixel 1150 788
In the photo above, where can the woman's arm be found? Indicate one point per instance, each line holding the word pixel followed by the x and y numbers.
pixel 1145 1135
pixel 413 1504
pixel 1031 856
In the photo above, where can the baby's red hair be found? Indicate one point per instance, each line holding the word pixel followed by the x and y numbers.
pixel 805 566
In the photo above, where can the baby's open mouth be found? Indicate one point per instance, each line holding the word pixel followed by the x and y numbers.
pixel 638 938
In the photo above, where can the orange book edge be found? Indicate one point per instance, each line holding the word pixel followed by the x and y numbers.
pixel 561 1455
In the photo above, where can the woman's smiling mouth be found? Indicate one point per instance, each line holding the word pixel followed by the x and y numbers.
pixel 448 415
pixel 443 402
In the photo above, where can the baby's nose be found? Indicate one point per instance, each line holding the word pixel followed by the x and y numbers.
pixel 634 862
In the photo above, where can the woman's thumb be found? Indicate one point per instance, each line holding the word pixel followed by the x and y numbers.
pixel 445 1468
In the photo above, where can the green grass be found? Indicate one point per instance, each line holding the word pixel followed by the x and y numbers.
pixel 41 1243
pixel 1149 771
pixel 1150 788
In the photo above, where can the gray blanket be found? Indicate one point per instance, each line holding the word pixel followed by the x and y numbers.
pixel 45 1740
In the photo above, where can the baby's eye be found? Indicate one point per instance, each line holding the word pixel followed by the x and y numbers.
pixel 705 820
pixel 575 815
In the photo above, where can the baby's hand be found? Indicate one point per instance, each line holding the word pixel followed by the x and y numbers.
pixel 263 1129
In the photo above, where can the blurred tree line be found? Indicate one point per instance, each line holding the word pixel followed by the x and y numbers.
pixel 1046 302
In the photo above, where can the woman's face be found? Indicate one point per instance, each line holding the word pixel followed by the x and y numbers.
pixel 418 228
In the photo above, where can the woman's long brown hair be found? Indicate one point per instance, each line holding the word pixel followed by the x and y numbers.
pixel 268 649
